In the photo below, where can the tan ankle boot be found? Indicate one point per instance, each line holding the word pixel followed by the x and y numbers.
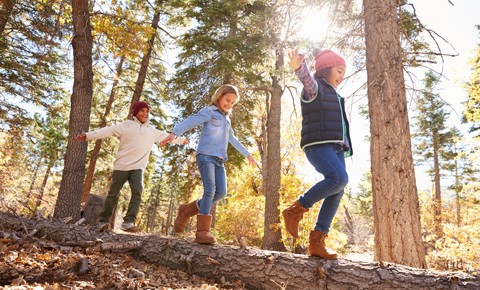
pixel 317 246
pixel 185 212
pixel 203 234
pixel 292 216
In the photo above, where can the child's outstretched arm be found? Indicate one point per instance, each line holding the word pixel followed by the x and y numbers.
pixel 240 148
pixel 169 139
pixel 251 160
pixel 81 137
pixel 295 60
pixel 190 123
pixel 165 137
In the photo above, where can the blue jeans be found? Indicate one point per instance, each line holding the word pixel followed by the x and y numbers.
pixel 214 181
pixel 328 159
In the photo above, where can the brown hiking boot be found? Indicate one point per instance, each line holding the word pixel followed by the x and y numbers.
pixel 203 234
pixel 185 212
pixel 102 227
pixel 292 216
pixel 129 227
pixel 317 246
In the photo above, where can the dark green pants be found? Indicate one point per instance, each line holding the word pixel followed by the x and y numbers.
pixel 135 179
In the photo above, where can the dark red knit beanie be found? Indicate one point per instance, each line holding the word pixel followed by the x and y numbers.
pixel 327 58
pixel 137 106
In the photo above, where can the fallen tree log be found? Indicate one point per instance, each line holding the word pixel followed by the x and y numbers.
pixel 257 269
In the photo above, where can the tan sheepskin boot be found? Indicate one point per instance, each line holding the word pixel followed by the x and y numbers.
pixel 203 234
pixel 292 216
pixel 185 212
pixel 317 246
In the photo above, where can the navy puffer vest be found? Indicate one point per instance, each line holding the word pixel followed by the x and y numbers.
pixel 323 118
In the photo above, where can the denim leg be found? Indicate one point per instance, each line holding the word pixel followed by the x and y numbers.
pixel 206 166
pixel 328 159
pixel 220 182
pixel 135 180
pixel 327 212
pixel 214 181
pixel 118 180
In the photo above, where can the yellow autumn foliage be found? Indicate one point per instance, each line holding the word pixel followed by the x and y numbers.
pixel 242 212
pixel 458 248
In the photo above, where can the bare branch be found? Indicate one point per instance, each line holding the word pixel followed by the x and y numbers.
pixel 430 53
pixel 261 88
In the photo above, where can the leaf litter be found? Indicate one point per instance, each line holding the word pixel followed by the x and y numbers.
pixel 24 264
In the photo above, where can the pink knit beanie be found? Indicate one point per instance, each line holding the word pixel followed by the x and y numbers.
pixel 137 106
pixel 327 58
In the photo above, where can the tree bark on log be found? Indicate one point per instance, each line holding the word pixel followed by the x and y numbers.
pixel 258 269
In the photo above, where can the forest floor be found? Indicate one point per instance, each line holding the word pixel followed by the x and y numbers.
pixel 26 264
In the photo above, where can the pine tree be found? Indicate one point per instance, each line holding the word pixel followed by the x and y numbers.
pixel 225 46
pixel 32 54
pixel 472 112
pixel 433 136
pixel 459 166
pixel 69 195
pixel 396 220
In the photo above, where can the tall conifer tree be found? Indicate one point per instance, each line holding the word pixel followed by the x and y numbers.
pixel 434 137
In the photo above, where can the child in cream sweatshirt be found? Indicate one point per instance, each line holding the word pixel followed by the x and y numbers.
pixel 136 141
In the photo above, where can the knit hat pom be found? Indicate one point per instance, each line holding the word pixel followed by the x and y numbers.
pixel 137 106
pixel 326 58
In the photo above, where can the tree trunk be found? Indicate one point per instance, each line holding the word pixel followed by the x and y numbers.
pixel 93 207
pixel 109 182
pixel 438 195
pixel 350 226
pixel 457 193
pixel 396 209
pixel 213 213
pixel 155 207
pixel 44 183
pixel 169 213
pixel 272 238
pixel 142 74
pixel 87 185
pixel 5 12
pixel 34 178
pixel 69 195
pixel 113 219
pixel 257 269
pixel 262 142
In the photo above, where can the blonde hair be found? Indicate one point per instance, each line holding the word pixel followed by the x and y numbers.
pixel 221 91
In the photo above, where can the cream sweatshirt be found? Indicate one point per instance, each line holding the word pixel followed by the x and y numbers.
pixel 136 142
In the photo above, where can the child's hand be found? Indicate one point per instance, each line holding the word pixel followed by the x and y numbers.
pixel 81 137
pixel 295 59
pixel 169 139
pixel 185 142
pixel 251 160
